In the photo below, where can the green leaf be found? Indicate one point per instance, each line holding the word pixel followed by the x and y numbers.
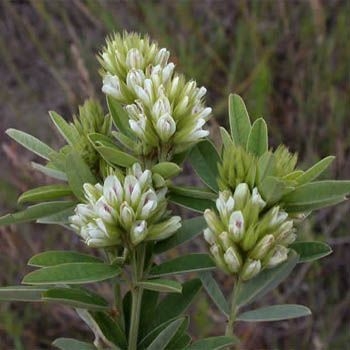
pixel 315 171
pixel 100 140
pixel 239 120
pixel 126 142
pixel 165 335
pixel 110 329
pixel 166 169
pixel 45 193
pixel 161 285
pixel 21 293
pixel 193 192
pixel 316 195
pixel 75 297
pixel 35 212
pixel 50 172
pixel 120 116
pixel 69 133
pixel 265 281
pixel 31 143
pixel 226 138
pixel 78 173
pixel 257 143
pixel 213 343
pixel 184 264
pixel 195 204
pixel 60 218
pixel 58 257
pixel 266 166
pixel 72 344
pixel 72 273
pixel 310 251
pixel 180 342
pixel 214 292
pixel 116 157
pixel 204 159
pixel 190 228
pixel 273 189
pixel 175 304
pixel 149 303
pixel 275 313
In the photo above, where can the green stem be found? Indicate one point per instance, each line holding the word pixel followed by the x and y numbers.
pixel 234 309
pixel 137 265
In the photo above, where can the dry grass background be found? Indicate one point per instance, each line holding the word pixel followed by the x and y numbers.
pixel 290 60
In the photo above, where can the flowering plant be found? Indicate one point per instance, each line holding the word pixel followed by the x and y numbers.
pixel 116 177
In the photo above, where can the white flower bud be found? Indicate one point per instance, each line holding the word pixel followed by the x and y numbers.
pixel 104 210
pixel 166 127
pixel 113 190
pixel 256 199
pixel 138 127
pixel 209 236
pixel 162 57
pixel 250 269
pixel 142 95
pixel 127 215
pixel 111 86
pixel 279 255
pixel 138 232
pixel 205 113
pixel 107 61
pixel 135 77
pixel 92 193
pixel 167 72
pixel 217 255
pixel 213 221
pixel 241 195
pixel 236 225
pixel 135 195
pixel 161 107
pixel 182 105
pixel 134 59
pixel 164 229
pixel 201 92
pixel 233 259
pixel 263 247
pixel 225 240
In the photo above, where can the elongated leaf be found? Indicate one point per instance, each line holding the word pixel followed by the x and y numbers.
pixel 204 160
pixel 315 171
pixel 116 157
pixel 101 140
pixel 35 212
pixel 78 173
pixel 21 293
pixel 239 120
pixel 76 297
pixel 184 264
pixel 316 195
pixel 266 166
pixel 266 281
pixel 72 273
pixel 194 192
pixel 166 169
pixel 50 172
pixel 126 142
pixel 45 193
pixel 120 116
pixel 161 285
pixel 257 140
pixel 58 257
pixel 69 133
pixel 310 251
pixel 72 344
pixel 226 138
pixel 149 303
pixel 174 305
pixel 275 313
pixel 190 228
pixel 165 335
pixel 273 189
pixel 213 343
pixel 59 218
pixel 214 292
pixel 195 204
pixel 180 342
pixel 110 329
pixel 31 143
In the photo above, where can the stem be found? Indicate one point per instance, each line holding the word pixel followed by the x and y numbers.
pixel 137 265
pixel 234 309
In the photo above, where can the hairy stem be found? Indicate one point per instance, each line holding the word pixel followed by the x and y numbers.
pixel 234 309
pixel 137 265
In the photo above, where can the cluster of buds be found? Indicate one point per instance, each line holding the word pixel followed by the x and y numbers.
pixel 243 237
pixel 124 211
pixel 165 110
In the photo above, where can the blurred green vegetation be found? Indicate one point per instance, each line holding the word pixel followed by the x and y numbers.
pixel 290 61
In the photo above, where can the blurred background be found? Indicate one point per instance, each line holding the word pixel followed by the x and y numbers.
pixel 290 60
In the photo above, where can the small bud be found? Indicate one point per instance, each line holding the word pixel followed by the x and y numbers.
pixel 134 59
pixel 104 210
pixel 256 198
pixel 241 195
pixel 135 77
pixel 250 269
pixel 92 193
pixel 138 232
pixel 161 107
pixel 236 226
pixel 279 255
pixel 127 215
pixel 225 240
pixel 111 86
pixel 213 221
pixel 138 127
pixel 167 72
pixel 166 127
pixel 217 255
pixel 162 57
pixel 205 113
pixel 209 236
pixel 165 229
pixel 233 259
pixel 262 247
pixel 113 190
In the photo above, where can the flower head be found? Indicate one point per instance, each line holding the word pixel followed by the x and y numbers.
pixel 125 210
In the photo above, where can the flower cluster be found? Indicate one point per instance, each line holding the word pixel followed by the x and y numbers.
pixel 244 238
pixel 125 210
pixel 165 111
